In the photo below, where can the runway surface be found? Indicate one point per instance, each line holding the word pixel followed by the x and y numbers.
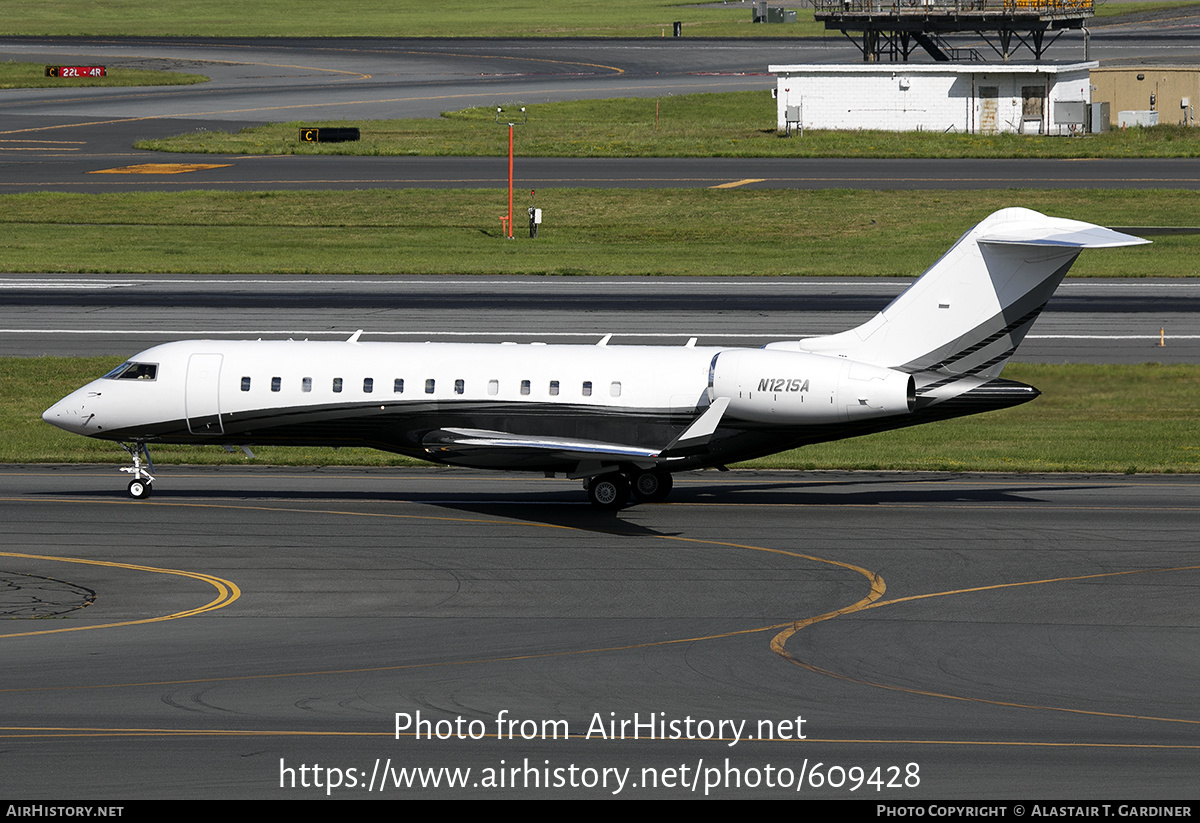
pixel 72 315
pixel 999 637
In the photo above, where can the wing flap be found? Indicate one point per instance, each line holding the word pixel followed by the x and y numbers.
pixel 480 447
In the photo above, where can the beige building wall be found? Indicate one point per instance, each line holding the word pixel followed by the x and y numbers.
pixel 1134 88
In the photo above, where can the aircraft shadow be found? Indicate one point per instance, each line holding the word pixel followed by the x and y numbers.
pixel 568 507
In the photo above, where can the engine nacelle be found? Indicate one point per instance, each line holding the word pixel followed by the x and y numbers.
pixel 771 386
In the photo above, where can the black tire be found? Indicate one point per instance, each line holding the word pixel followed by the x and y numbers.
pixel 608 491
pixel 139 489
pixel 652 486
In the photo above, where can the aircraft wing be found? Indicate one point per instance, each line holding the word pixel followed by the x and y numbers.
pixel 484 448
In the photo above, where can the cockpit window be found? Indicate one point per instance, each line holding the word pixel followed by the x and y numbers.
pixel 130 370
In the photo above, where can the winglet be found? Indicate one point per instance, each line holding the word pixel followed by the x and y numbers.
pixel 354 337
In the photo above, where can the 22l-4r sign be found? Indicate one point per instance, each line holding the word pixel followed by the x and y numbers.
pixel 75 71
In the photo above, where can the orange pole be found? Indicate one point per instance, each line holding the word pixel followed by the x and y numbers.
pixel 510 180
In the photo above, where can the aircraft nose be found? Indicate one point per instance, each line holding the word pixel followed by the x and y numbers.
pixel 68 414
pixel 58 415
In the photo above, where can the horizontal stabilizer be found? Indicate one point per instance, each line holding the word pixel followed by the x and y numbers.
pixel 1156 231
pixel 1060 233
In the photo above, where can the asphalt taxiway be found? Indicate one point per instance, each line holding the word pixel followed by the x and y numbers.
pixel 970 636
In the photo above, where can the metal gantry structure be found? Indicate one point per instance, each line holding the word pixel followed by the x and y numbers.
pixel 893 30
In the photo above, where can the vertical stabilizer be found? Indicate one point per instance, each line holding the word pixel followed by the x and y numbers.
pixel 968 313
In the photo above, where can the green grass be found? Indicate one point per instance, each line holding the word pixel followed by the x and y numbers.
pixel 1089 419
pixel 1108 10
pixel 733 124
pixel 370 18
pixel 585 231
pixel 15 75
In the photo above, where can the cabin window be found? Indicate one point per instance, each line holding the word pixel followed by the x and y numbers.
pixel 553 387
pixel 245 384
pixel 615 388
pixel 276 383
pixel 524 387
pixel 337 384
pixel 133 371
pixel 398 385
pixel 429 384
pixel 368 385
pixel 493 387
pixel 459 386
pixel 306 384
pixel 587 388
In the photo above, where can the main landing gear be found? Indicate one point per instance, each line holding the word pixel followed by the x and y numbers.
pixel 612 490
pixel 141 485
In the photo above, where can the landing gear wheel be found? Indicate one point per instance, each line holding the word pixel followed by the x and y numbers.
pixel 139 486
pixel 652 486
pixel 608 491
pixel 139 489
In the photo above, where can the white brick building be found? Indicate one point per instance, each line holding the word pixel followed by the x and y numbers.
pixel 975 98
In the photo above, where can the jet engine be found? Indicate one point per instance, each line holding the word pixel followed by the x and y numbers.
pixel 782 387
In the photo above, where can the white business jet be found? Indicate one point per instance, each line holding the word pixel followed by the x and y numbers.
pixel 621 418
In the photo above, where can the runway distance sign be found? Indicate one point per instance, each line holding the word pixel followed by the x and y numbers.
pixel 75 71
pixel 328 135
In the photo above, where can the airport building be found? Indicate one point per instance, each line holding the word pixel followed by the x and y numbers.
pixel 1169 93
pixel 1033 98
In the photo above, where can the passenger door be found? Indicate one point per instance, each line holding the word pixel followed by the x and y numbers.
pixel 202 398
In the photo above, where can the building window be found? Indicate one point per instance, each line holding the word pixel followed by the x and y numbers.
pixel 459 386
pixel 306 384
pixel 337 384
pixel 553 388
pixel 493 387
pixel 368 385
pixel 429 386
pixel 615 388
pixel 398 385
pixel 587 388
pixel 245 384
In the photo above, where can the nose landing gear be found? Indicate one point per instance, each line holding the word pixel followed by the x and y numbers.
pixel 140 486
